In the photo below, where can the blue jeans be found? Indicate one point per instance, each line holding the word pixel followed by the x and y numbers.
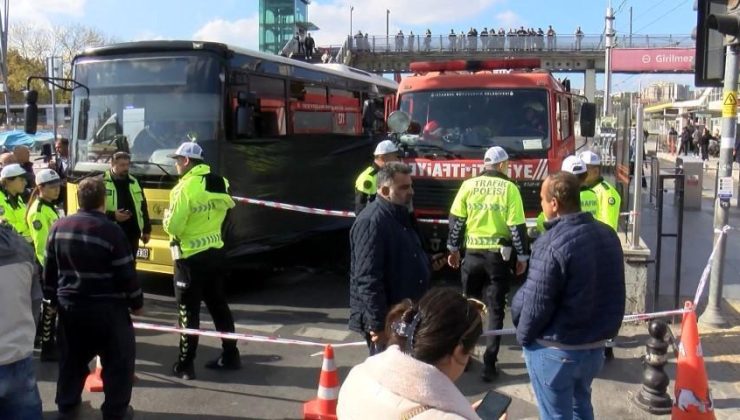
pixel 562 380
pixel 19 395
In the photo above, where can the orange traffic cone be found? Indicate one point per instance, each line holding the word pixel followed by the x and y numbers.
pixel 693 399
pixel 94 382
pixel 324 407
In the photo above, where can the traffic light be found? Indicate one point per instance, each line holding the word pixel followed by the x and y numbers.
pixel 714 18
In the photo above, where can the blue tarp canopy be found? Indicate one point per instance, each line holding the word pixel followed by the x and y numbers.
pixel 11 139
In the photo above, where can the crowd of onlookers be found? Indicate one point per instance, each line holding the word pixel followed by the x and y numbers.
pixel 521 39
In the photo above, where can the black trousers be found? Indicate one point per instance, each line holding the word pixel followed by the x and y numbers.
pixel 486 276
pixel 200 278
pixel 102 329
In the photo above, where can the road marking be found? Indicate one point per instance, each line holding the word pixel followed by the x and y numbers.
pixel 323 333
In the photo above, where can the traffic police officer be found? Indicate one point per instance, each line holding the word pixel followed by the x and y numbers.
pixel 198 206
pixel 366 185
pixel 125 203
pixel 489 214
pixel 12 207
pixel 608 207
pixel 42 213
pixel 577 167
pixel 608 198
pixel 589 201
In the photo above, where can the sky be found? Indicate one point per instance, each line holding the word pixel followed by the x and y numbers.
pixel 236 21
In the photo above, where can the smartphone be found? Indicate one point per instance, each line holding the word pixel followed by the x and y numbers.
pixel 493 406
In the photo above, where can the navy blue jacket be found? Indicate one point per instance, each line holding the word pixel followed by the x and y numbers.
pixel 574 293
pixel 388 264
pixel 88 260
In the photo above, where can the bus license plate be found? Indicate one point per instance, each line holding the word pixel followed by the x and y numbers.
pixel 142 254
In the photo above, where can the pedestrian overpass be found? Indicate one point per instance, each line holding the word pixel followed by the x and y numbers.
pixel 671 53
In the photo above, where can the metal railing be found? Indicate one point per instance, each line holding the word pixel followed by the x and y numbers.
pixel 461 43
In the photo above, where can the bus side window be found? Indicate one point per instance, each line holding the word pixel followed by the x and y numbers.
pixel 270 93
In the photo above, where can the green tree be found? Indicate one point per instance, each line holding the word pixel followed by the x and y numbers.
pixel 19 69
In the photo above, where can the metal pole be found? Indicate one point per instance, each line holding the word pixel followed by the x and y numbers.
pixel 681 191
pixel 351 9
pixel 658 243
pixel 630 26
pixel 52 63
pixel 637 193
pixel 608 60
pixel 713 315
pixel 387 29
pixel 4 57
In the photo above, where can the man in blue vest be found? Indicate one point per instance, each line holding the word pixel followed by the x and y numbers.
pixel 125 203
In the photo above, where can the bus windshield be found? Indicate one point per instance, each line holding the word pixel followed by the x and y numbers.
pixel 146 105
pixel 465 121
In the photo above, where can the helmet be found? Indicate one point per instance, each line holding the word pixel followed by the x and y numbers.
pixel 46 176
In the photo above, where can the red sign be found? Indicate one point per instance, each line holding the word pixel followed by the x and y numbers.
pixel 639 60
pixel 527 169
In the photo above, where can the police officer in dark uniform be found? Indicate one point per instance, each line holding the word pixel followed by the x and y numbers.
pixel 125 203
pixel 366 185
pixel 489 215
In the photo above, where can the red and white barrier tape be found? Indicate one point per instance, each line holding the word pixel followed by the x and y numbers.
pixel 708 268
pixel 293 207
pixel 313 210
pixel 238 336
pixel 627 318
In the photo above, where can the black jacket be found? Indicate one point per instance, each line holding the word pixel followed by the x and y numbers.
pixel 388 264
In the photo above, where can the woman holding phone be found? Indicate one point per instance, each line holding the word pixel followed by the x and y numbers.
pixel 430 345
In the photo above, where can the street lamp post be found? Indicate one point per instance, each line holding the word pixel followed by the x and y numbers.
pixel 351 9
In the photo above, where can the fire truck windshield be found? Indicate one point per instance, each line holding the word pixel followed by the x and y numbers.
pixel 465 121
pixel 146 105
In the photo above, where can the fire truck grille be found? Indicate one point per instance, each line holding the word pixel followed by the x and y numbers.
pixel 435 195
pixel 530 191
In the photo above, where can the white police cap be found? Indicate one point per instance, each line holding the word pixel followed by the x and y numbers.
pixel 11 171
pixel 46 176
pixel 494 155
pixel 573 165
pixel 590 158
pixel 189 150
pixel 385 147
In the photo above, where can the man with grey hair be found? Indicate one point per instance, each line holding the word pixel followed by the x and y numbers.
pixel 388 261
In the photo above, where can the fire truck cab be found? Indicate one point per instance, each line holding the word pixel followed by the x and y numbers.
pixel 458 109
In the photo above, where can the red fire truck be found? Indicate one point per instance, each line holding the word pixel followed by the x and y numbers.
pixel 458 109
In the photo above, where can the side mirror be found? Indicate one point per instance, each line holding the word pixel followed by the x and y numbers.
pixel 82 117
pixel 31 111
pixel 588 119
pixel 46 152
pixel 244 118
pixel 399 122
